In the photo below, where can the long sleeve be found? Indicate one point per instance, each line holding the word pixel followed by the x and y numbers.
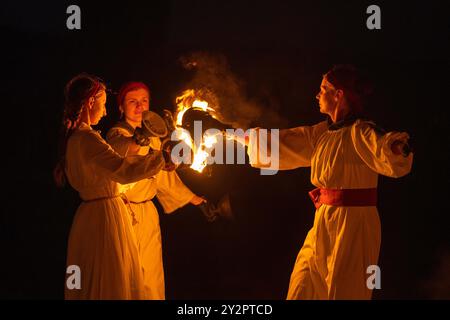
pixel 120 169
pixel 375 150
pixel 119 139
pixel 295 146
pixel 171 191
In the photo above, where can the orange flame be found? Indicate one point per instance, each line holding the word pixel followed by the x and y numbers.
pixel 185 102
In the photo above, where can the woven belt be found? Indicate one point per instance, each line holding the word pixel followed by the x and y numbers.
pixel 125 200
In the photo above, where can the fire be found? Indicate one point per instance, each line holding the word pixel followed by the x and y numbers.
pixel 188 101
pixel 185 102
pixel 184 136
pixel 199 162
pixel 210 141
pixel 201 105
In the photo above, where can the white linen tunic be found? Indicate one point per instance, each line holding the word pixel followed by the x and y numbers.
pixel 102 242
pixel 171 193
pixel 343 241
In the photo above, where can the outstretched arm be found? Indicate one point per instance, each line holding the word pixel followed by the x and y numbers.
pixel 295 146
pixel 383 153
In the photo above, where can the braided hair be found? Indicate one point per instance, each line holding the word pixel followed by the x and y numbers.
pixel 76 93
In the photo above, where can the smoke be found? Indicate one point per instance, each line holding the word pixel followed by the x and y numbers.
pixel 225 93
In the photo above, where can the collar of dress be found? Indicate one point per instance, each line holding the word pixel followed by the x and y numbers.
pixel 347 121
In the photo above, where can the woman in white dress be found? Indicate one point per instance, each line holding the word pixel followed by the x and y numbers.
pixel 101 242
pixel 346 154
pixel 133 100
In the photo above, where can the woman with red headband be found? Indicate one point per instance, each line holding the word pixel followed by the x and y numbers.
pixel 133 100
pixel 102 245
pixel 345 154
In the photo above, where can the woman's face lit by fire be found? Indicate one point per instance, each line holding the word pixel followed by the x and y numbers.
pixel 97 108
pixel 134 103
pixel 328 97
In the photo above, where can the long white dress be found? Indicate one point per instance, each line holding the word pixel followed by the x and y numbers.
pixel 344 241
pixel 102 242
pixel 171 193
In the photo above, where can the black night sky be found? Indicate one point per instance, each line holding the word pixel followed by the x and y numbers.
pixel 278 51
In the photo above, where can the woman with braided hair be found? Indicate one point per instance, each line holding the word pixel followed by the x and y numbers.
pixel 346 154
pixel 101 242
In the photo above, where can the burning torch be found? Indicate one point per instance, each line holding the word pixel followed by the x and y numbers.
pixel 153 125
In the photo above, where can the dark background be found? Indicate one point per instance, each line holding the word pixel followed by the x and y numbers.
pixel 280 51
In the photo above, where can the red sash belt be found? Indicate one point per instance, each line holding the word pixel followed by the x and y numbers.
pixel 344 197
